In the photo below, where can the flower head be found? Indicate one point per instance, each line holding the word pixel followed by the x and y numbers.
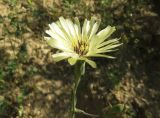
pixel 76 43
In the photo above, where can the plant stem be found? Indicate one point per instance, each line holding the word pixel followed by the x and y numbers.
pixel 79 71
pixel 85 113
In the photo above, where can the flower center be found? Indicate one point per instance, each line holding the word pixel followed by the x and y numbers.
pixel 81 48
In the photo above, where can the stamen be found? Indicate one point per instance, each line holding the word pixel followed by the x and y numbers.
pixel 81 48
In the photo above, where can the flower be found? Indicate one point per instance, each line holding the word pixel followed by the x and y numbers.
pixel 76 43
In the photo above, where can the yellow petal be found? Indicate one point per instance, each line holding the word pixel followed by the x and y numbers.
pixel 102 55
pixel 111 41
pixel 60 56
pixel 108 47
pixel 94 29
pixel 105 33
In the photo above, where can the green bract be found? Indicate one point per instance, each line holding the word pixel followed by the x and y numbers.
pixel 76 43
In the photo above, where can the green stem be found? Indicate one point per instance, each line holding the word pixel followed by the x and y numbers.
pixel 79 71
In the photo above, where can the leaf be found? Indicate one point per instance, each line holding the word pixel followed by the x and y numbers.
pixel 72 61
pixel 91 63
pixel 115 110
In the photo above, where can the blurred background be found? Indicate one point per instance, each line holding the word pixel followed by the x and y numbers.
pixel 33 86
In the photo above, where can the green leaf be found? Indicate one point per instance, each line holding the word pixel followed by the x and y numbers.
pixel 1 19
pixel 72 61
pixel 91 63
pixel 115 110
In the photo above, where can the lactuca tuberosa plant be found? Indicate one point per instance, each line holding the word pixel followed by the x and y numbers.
pixel 76 43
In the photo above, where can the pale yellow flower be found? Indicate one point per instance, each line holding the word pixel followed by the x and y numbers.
pixel 80 44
